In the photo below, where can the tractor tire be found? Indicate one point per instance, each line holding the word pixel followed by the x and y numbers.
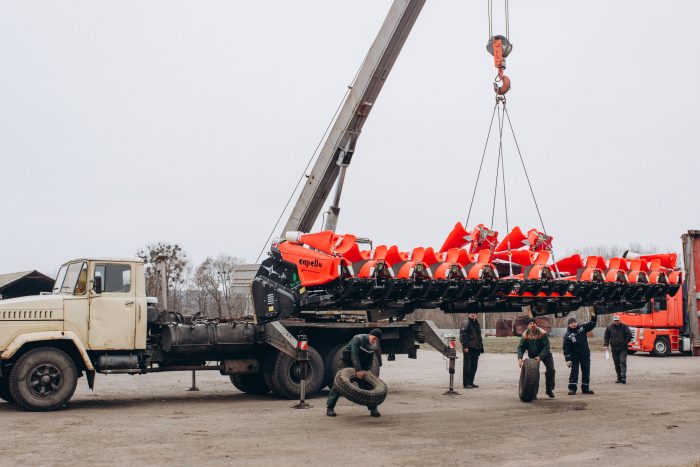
pixel 662 347
pixel 370 391
pixel 334 363
pixel 251 384
pixel 5 390
pixel 529 380
pixel 286 378
pixel 43 379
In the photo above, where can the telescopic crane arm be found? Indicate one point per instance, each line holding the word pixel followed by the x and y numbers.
pixel 337 151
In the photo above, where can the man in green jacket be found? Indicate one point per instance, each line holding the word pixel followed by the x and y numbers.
pixel 536 342
pixel 359 354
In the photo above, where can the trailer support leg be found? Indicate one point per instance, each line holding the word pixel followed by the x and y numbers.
pixel 429 333
pixel 194 382
pixel 452 356
pixel 303 359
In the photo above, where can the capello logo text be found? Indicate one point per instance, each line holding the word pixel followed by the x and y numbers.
pixel 310 264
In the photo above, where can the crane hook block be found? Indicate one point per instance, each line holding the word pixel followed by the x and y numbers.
pixel 506 46
pixel 500 48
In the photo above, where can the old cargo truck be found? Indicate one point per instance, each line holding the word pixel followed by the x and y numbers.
pixel 98 319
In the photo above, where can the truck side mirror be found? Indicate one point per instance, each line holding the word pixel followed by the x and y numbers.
pixel 97 285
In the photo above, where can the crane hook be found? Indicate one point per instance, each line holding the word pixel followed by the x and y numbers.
pixel 500 48
pixel 504 81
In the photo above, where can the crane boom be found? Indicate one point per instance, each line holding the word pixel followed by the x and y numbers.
pixel 337 151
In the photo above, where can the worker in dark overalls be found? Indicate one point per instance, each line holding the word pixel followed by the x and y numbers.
pixel 578 354
pixel 358 354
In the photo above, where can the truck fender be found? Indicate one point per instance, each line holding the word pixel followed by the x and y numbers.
pixel 30 337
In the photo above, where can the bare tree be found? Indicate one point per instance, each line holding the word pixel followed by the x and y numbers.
pixel 175 262
pixel 613 251
pixel 212 286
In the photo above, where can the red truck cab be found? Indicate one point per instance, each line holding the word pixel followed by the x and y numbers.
pixel 658 328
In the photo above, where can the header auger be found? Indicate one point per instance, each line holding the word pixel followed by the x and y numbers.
pixel 472 271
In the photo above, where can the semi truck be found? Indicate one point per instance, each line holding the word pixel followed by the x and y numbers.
pixel 670 324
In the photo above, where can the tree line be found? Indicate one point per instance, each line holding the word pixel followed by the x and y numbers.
pixel 204 288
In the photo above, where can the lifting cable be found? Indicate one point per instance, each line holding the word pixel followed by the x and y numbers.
pixel 500 47
pixel 314 154
pixel 302 176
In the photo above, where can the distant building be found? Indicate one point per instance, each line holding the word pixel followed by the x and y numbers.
pixel 21 284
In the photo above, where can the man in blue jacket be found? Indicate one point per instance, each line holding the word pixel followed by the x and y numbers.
pixel 577 353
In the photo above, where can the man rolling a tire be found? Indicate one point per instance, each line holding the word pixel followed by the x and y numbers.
pixel 536 342
pixel 358 354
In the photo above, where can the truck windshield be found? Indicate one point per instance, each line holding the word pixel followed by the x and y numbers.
pixel 59 279
pixel 645 310
pixel 68 277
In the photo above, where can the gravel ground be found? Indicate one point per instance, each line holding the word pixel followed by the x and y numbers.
pixel 153 420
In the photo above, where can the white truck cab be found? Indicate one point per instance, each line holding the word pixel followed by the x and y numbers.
pixel 97 304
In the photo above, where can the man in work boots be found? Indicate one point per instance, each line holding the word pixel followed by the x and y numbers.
pixel 472 346
pixel 359 354
pixel 577 354
pixel 617 336
pixel 536 342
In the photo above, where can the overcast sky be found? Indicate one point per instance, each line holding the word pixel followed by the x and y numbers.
pixel 124 123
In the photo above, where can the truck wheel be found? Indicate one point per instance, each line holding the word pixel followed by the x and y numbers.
pixel 370 391
pixel 529 380
pixel 335 364
pixel 286 375
pixel 631 352
pixel 662 347
pixel 251 384
pixel 5 390
pixel 43 379
pixel 329 364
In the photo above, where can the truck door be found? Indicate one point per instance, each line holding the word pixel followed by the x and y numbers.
pixel 112 307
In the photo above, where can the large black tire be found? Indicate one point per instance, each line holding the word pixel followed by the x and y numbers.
pixel 662 347
pixel 529 380
pixel 631 352
pixel 5 390
pixel 334 363
pixel 370 391
pixel 251 384
pixel 286 379
pixel 267 369
pixel 43 379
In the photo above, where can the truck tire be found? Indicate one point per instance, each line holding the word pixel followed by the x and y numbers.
pixel 631 352
pixel 662 347
pixel 370 391
pixel 286 375
pixel 43 379
pixel 335 363
pixel 251 384
pixel 267 370
pixel 5 390
pixel 529 380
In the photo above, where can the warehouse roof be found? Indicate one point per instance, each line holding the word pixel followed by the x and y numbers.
pixel 7 279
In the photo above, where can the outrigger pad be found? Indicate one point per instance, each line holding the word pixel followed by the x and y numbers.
pixel 474 272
